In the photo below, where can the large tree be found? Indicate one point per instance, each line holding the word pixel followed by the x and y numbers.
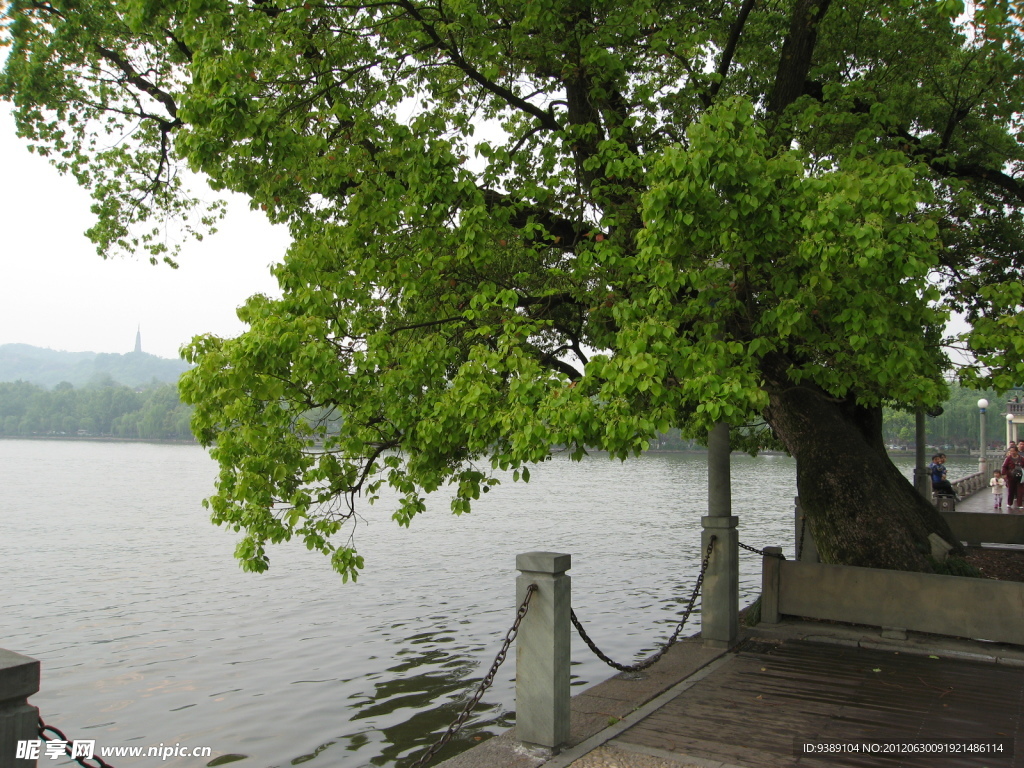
pixel 526 223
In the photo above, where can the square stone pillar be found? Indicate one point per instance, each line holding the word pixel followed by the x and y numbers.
pixel 542 650
pixel 771 566
pixel 19 721
pixel 720 603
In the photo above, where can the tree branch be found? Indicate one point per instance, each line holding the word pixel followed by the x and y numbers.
pixel 567 233
pixel 546 119
pixel 133 77
pixel 730 49
pixel 797 53
pixel 427 324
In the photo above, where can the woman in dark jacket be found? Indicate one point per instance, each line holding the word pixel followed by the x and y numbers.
pixel 1013 468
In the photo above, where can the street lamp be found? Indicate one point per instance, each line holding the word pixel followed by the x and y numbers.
pixel 982 457
pixel 1010 437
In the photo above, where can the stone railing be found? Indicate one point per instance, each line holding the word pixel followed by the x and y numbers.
pixel 896 601
pixel 975 528
pixel 965 486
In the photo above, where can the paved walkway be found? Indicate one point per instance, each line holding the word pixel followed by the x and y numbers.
pixel 978 502
pixel 981 502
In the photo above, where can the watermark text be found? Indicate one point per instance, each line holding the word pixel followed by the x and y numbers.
pixel 35 749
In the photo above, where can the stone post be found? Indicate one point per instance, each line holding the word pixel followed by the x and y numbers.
pixel 983 450
pixel 542 650
pixel 19 721
pixel 721 601
pixel 771 568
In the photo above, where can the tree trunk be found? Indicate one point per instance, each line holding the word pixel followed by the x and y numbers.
pixel 859 507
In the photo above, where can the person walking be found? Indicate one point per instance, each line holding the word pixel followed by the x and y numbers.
pixel 998 485
pixel 1013 473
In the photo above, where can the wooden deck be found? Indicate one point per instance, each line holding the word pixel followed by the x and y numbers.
pixel 753 710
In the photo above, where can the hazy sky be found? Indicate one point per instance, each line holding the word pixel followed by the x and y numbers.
pixel 58 293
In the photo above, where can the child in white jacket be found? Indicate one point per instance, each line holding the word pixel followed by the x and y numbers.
pixel 997 484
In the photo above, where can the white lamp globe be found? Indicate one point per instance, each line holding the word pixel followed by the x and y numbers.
pixel 983 403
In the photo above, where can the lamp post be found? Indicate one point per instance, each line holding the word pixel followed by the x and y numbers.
pixel 982 457
pixel 1009 428
pixel 922 477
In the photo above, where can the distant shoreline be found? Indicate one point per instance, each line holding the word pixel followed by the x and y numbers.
pixel 172 441
pixel 100 439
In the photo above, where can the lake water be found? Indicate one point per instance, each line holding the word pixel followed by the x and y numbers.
pixel 149 633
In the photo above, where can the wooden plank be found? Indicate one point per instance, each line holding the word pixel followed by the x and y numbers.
pixel 749 711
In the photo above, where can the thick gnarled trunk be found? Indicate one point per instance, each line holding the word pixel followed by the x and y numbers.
pixel 860 508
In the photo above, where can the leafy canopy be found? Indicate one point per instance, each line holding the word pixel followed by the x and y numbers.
pixel 530 223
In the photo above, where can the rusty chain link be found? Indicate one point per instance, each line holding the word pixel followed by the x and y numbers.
pixel 97 762
pixel 761 552
pixel 457 724
pixel 641 665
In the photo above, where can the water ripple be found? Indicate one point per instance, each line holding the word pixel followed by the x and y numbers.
pixel 115 579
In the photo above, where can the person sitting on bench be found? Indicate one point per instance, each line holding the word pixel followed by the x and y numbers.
pixel 940 485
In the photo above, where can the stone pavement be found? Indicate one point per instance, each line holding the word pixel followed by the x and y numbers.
pixel 614 757
pixel 979 502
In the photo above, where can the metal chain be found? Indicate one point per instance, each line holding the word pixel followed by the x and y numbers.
pixel 456 726
pixel 641 665
pixel 98 762
pixel 803 530
pixel 761 552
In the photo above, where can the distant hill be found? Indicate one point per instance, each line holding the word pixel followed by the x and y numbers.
pixel 47 367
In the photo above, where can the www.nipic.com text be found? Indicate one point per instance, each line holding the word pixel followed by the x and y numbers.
pixel 37 748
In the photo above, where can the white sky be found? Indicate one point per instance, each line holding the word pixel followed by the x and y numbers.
pixel 56 292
